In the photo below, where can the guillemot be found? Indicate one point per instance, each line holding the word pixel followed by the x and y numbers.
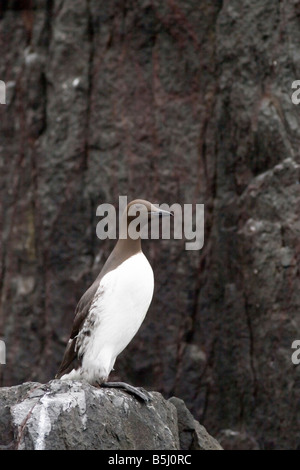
pixel 112 310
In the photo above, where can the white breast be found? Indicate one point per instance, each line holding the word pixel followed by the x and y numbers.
pixel 117 312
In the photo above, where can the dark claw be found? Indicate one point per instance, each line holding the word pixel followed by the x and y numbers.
pixel 138 392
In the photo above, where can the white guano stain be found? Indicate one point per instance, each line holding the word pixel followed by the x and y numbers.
pixel 44 423
pixel 38 415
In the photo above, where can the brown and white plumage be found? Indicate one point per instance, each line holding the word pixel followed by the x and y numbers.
pixel 111 311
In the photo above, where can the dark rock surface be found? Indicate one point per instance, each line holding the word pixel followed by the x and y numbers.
pixel 76 416
pixel 236 440
pixel 192 436
pixel 176 101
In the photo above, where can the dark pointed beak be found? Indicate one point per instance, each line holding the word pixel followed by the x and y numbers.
pixel 161 213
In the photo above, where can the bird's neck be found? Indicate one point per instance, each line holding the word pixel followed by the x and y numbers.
pixel 129 246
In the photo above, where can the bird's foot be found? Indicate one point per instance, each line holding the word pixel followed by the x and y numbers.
pixel 138 392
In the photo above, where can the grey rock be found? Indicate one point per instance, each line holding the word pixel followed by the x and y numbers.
pixel 74 415
pixel 192 435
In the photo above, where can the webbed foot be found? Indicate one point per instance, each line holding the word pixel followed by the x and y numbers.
pixel 138 392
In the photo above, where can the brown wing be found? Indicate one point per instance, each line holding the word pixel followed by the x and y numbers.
pixel 71 360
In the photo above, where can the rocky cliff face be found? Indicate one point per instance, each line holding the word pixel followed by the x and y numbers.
pixel 176 101
pixel 76 416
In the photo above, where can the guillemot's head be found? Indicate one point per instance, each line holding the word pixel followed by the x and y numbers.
pixel 146 209
pixel 142 211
